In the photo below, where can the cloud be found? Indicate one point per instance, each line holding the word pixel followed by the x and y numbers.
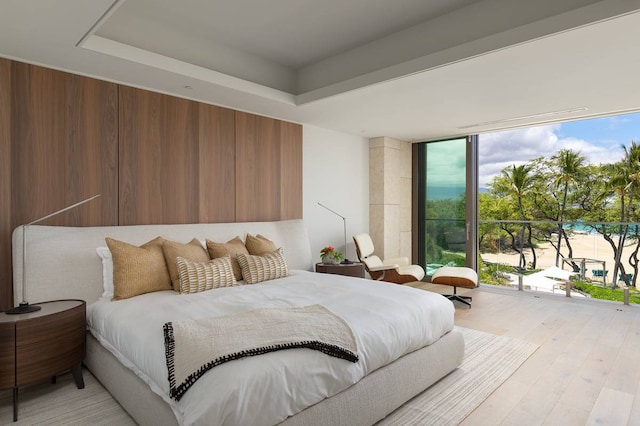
pixel 502 149
pixel 617 121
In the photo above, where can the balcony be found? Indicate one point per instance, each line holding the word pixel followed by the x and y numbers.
pixel 523 255
pixel 584 267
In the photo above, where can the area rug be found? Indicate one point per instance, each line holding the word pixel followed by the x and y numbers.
pixel 63 404
pixel 489 360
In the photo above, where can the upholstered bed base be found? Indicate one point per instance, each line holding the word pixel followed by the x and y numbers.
pixel 62 263
pixel 364 403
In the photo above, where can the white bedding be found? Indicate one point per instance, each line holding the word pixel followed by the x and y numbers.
pixel 388 321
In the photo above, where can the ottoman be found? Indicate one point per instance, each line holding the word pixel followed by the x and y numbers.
pixel 456 276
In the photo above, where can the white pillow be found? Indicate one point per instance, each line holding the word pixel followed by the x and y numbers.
pixel 107 271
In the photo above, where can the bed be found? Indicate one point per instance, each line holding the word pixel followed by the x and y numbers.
pixel 405 337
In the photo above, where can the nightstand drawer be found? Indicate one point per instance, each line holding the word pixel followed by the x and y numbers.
pixel 50 344
pixel 50 327
pixel 49 357
pixel 7 350
pixel 37 345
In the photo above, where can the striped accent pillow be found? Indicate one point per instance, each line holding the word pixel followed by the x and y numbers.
pixel 196 276
pixel 269 266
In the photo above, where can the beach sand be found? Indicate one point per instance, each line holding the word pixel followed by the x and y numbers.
pixel 589 246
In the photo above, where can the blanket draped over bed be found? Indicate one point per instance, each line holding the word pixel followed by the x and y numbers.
pixel 193 347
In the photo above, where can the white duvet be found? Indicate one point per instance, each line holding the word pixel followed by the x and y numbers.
pixel 388 321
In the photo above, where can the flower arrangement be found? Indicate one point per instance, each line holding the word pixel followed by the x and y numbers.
pixel 330 255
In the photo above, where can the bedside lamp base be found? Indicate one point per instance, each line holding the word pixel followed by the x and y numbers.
pixel 23 308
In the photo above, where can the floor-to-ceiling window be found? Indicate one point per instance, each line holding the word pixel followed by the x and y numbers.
pixel 447 203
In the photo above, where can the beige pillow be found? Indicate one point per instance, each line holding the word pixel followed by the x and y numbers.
pixel 138 270
pixel 192 251
pixel 231 248
pixel 259 245
pixel 196 277
pixel 269 266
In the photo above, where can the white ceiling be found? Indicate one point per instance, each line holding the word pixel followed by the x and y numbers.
pixel 410 69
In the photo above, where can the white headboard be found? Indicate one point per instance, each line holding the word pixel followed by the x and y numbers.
pixel 62 261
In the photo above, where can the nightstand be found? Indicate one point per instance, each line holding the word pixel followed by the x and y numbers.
pixel 355 269
pixel 39 345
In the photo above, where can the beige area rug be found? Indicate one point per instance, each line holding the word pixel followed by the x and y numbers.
pixel 63 403
pixel 489 360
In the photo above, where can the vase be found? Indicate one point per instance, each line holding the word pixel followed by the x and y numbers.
pixel 335 261
pixel 328 260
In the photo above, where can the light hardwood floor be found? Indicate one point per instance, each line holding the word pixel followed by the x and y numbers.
pixel 586 370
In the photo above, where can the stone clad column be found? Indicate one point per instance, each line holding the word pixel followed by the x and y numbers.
pixel 390 196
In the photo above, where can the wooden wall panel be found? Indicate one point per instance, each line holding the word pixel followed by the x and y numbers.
pixel 257 168
pixel 154 158
pixel 290 171
pixel 6 222
pixel 64 147
pixel 216 155
pixel 158 158
pixel 58 146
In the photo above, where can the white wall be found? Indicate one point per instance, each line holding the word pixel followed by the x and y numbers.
pixel 336 174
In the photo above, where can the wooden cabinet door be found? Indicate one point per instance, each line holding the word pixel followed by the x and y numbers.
pixel 49 345
pixel 7 352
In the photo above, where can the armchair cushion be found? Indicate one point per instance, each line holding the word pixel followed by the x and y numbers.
pixel 372 261
pixel 457 276
pixel 364 244
pixel 398 261
pixel 383 267
pixel 414 270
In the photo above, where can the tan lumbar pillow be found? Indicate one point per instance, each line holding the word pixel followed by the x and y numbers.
pixel 193 251
pixel 202 276
pixel 230 248
pixel 138 270
pixel 259 245
pixel 269 266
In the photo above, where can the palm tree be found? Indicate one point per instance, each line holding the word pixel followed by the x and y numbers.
pixel 625 181
pixel 520 180
pixel 569 164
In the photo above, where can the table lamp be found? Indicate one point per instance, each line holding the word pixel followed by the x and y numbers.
pixel 344 220
pixel 24 306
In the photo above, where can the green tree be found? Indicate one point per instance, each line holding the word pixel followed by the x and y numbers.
pixel 624 181
pixel 569 165
pixel 516 182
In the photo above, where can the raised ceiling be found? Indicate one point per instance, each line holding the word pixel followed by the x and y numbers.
pixel 410 69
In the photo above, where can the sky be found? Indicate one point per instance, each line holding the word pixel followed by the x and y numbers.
pixel 599 140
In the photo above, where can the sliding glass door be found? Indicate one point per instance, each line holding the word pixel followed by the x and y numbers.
pixel 447 203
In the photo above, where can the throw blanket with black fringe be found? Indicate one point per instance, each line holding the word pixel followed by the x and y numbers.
pixel 193 347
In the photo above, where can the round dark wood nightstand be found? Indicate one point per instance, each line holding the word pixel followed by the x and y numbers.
pixel 355 269
pixel 39 345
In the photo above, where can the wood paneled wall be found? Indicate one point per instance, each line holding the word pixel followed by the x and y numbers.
pixel 177 160
pixel 65 144
pixel 154 158
pixel 6 222
pixel 268 168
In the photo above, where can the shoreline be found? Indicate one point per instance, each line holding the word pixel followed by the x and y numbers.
pixel 584 245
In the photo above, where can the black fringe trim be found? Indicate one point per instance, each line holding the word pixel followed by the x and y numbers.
pixel 169 352
pixel 177 392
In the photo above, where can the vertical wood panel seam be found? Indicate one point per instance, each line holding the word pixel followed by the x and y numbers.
pixel 117 195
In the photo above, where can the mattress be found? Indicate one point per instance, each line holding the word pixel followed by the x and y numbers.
pixel 388 321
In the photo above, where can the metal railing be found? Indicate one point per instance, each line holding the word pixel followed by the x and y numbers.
pixel 536 256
